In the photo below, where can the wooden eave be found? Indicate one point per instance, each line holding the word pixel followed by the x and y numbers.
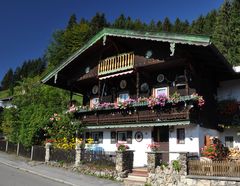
pixel 194 44
pixel 152 36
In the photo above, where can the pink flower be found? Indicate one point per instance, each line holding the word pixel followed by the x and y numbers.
pixel 51 118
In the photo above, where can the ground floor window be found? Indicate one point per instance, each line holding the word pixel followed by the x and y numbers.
pixel 229 141
pixel 96 136
pixel 181 136
pixel 121 137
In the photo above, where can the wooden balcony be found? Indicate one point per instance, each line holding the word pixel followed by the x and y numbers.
pixel 132 116
pixel 116 64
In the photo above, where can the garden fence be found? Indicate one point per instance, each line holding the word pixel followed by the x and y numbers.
pixel 61 155
pixel 2 145
pixel 99 157
pixel 11 147
pixel 24 151
pixel 38 153
pixel 214 168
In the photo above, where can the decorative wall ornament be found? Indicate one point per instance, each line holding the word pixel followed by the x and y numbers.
pixel 104 40
pixel 160 78
pixel 95 89
pixel 148 54
pixel 172 49
pixel 87 69
pixel 123 84
pixel 138 136
pixel 55 78
pixel 144 87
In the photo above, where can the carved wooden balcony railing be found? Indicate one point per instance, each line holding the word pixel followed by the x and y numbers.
pixel 131 116
pixel 116 63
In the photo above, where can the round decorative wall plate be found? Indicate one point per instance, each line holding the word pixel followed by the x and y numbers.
pixel 95 89
pixel 160 78
pixel 144 87
pixel 123 84
pixel 138 136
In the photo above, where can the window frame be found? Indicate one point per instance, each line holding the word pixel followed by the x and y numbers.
pixel 163 89
pixel 123 93
pixel 181 136
pixel 227 142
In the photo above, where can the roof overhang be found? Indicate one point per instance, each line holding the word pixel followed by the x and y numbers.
pixel 141 125
pixel 152 36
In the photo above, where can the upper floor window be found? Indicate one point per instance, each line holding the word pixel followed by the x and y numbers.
pixel 94 102
pixel 163 91
pixel 123 97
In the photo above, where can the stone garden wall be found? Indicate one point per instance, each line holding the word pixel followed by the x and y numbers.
pixel 169 176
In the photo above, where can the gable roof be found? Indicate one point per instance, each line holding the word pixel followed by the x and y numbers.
pixel 153 36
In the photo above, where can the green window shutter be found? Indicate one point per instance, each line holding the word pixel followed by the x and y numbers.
pixel 113 137
pixel 129 137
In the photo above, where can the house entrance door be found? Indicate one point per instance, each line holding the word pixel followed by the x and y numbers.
pixel 161 135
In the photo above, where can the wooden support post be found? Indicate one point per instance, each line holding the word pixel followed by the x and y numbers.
pixel 137 84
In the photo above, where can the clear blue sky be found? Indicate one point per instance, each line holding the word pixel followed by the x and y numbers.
pixel 26 26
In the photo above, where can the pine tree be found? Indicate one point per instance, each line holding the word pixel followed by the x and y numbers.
pixel 210 21
pixel 152 26
pixel 221 37
pixel 72 21
pixel 129 23
pixel 197 26
pixel 97 23
pixel 7 81
pixel 159 26
pixel 234 26
pixel 120 22
pixel 177 27
pixel 167 25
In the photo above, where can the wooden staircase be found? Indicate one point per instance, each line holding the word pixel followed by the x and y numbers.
pixel 138 177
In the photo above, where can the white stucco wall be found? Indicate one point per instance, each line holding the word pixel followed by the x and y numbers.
pixel 231 132
pixel 191 141
pixel 140 148
pixel 206 132
pixel 194 140
pixel 229 90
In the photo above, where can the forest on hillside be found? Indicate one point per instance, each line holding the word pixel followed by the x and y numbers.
pixel 36 103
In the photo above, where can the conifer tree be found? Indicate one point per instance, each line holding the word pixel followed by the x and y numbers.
pixel 221 34
pixel 167 25
pixel 7 81
pixel 234 27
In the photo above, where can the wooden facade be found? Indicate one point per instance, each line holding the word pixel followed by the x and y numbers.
pixel 117 65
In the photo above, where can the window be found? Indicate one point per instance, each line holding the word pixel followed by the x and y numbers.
pixel 229 141
pixel 113 137
pixel 96 136
pixel 181 136
pixel 123 97
pixel 94 102
pixel 160 92
pixel 121 137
